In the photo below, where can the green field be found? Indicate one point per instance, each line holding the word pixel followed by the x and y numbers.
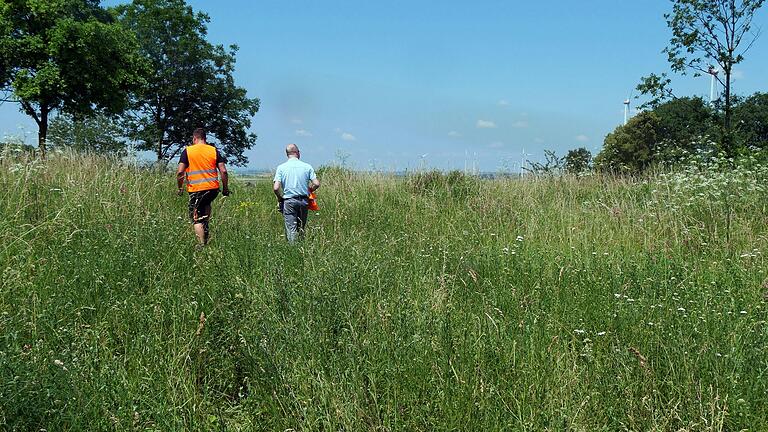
pixel 432 302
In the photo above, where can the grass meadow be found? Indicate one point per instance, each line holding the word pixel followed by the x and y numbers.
pixel 426 303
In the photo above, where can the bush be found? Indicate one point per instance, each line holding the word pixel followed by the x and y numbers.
pixel 15 148
pixel 454 184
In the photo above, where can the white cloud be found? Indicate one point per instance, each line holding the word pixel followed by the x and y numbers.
pixel 346 136
pixel 303 133
pixel 503 102
pixel 496 145
pixel 297 121
pixel 737 74
pixel 582 138
pixel 454 134
pixel 520 124
pixel 538 140
pixel 485 124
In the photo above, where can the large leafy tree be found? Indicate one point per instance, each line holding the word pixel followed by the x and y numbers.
pixel 65 55
pixel 190 84
pixel 630 148
pixel 708 35
pixel 751 121
pixel 685 127
pixel 669 134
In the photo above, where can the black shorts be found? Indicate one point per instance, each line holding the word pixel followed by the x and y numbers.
pixel 199 203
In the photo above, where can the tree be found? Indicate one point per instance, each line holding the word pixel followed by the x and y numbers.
pixel 99 134
pixel 552 164
pixel 64 55
pixel 658 87
pixel 190 84
pixel 669 134
pixel 706 35
pixel 631 148
pixel 751 121
pixel 577 160
pixel 684 118
pixel 684 127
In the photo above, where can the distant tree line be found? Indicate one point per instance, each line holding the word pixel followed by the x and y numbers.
pixel 97 78
pixel 669 135
pixel 675 131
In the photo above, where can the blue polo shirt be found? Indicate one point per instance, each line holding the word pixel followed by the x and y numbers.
pixel 295 175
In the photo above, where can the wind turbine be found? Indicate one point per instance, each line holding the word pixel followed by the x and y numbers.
pixel 626 108
pixel 713 73
pixel 422 163
pixel 522 162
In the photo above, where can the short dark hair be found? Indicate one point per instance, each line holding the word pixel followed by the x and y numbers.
pixel 199 133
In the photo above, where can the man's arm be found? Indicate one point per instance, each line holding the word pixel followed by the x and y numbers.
pixel 276 186
pixel 181 176
pixel 224 178
pixel 314 185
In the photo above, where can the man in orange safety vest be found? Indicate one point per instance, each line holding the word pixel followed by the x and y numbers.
pixel 199 166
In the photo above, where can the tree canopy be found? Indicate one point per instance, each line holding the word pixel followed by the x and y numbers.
pixel 751 122
pixel 577 160
pixel 190 83
pixel 685 127
pixel 669 134
pixel 65 55
pixel 631 148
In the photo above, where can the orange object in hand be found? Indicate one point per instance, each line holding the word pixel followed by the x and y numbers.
pixel 313 202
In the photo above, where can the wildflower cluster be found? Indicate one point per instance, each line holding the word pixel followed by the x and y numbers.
pixel 718 182
pixel 708 193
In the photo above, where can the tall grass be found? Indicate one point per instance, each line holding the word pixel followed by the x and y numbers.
pixel 443 303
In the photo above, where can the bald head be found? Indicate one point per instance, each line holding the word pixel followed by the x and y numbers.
pixel 292 150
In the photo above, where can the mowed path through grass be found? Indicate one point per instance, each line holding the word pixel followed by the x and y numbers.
pixel 425 303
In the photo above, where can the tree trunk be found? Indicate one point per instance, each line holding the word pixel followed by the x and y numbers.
pixel 42 131
pixel 161 127
pixel 727 135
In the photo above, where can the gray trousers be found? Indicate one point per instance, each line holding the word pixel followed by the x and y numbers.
pixel 295 215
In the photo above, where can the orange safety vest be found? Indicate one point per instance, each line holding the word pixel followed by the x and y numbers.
pixel 202 173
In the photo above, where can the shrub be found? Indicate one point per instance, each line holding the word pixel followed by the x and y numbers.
pixel 454 184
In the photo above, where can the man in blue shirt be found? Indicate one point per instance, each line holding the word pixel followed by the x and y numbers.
pixel 294 180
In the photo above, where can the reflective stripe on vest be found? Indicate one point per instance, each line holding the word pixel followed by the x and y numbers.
pixel 208 171
pixel 201 171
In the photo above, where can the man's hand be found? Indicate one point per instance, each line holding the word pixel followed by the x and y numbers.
pixel 280 205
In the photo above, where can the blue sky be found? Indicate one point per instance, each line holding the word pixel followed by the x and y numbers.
pixel 381 84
